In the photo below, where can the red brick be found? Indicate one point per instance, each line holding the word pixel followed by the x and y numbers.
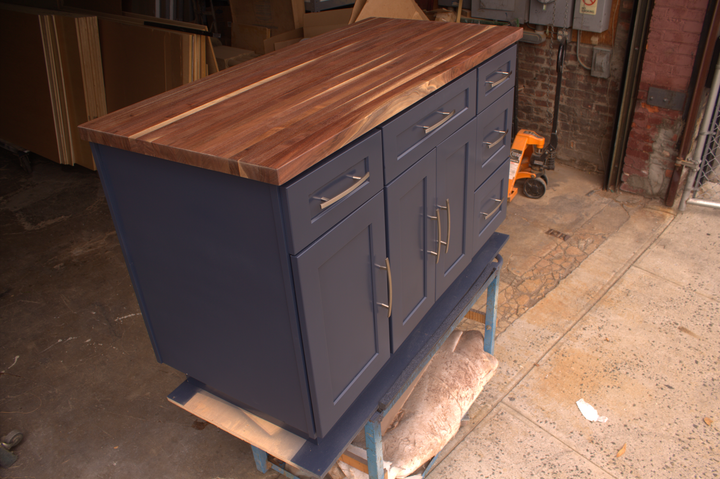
pixel 696 14
pixel 647 76
pixel 692 26
pixel 666 24
pixel 671 3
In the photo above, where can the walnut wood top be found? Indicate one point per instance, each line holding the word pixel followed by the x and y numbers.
pixel 274 117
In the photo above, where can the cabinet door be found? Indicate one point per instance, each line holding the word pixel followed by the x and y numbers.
pixel 340 282
pixel 412 245
pixel 455 174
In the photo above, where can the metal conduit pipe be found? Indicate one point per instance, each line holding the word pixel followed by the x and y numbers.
pixel 702 134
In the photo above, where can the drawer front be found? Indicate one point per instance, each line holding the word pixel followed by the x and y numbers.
pixel 496 77
pixel 325 195
pixel 494 137
pixel 490 205
pixel 410 136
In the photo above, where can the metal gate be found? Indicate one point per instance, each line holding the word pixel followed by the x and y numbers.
pixel 703 186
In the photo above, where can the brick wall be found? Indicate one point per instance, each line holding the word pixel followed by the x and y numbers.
pixel 672 42
pixel 587 105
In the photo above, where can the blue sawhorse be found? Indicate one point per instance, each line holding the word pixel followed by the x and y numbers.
pixel 377 400
pixel 373 436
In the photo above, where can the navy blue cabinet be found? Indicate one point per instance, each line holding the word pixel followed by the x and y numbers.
pixel 342 289
pixel 288 300
pixel 413 243
pixel 456 163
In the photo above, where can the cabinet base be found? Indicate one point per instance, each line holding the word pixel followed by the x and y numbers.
pixel 392 380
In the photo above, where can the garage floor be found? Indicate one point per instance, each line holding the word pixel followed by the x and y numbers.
pixel 604 297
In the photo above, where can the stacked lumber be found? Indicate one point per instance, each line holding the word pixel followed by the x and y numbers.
pixel 55 82
pixel 65 68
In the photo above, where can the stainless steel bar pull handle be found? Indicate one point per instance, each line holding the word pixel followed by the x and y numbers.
pixel 495 143
pixel 329 202
pixel 497 207
pixel 447 116
pixel 493 84
pixel 390 292
pixel 439 236
pixel 447 208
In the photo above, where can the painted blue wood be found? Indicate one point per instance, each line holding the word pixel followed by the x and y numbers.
pixel 455 174
pixel 318 456
pixel 302 198
pixel 492 83
pixel 373 446
pixel 190 237
pixel 412 237
pixel 404 138
pixel 261 459
pixel 490 205
pixel 340 282
pixel 491 315
pixel 491 153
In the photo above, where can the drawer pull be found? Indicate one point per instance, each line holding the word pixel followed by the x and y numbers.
pixel 499 204
pixel 390 294
pixel 495 143
pixel 439 237
pixel 493 84
pixel 447 116
pixel 329 202
pixel 447 208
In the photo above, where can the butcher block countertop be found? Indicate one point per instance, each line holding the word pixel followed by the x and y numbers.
pixel 274 117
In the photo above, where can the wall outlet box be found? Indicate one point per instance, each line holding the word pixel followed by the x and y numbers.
pixel 601 62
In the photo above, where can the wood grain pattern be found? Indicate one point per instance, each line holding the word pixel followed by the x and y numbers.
pixel 272 118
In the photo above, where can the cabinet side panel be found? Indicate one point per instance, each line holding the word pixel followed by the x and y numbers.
pixel 203 251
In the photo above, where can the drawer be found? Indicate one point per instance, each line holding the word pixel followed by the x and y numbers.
pixel 490 206
pixel 323 196
pixel 495 77
pixel 411 135
pixel 494 137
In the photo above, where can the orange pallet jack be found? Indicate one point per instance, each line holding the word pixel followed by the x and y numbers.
pixel 528 158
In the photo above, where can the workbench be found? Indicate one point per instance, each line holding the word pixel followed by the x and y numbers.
pixel 289 224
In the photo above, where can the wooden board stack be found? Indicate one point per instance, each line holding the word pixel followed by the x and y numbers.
pixel 69 67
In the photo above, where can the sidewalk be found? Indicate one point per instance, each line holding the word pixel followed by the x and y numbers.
pixel 634 331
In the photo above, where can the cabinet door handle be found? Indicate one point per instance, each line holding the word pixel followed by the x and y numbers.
pixel 390 293
pixel 493 84
pixel 495 143
pixel 329 202
pixel 447 208
pixel 497 207
pixel 437 253
pixel 447 116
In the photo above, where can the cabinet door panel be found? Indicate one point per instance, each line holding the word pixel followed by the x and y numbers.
pixel 455 173
pixel 345 330
pixel 412 238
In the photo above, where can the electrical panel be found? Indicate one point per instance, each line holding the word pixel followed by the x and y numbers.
pixel 552 12
pixel 513 11
pixel 592 15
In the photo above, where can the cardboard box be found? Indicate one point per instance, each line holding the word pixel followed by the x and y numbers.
pixel 279 16
pixel 321 22
pixel 229 56
pixel 276 42
pixel 250 37
pixel 405 9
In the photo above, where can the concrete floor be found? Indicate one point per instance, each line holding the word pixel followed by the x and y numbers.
pixel 619 307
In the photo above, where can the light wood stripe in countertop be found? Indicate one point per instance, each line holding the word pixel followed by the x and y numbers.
pixel 274 117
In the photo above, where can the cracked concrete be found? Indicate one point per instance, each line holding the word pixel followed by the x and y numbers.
pixel 79 378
